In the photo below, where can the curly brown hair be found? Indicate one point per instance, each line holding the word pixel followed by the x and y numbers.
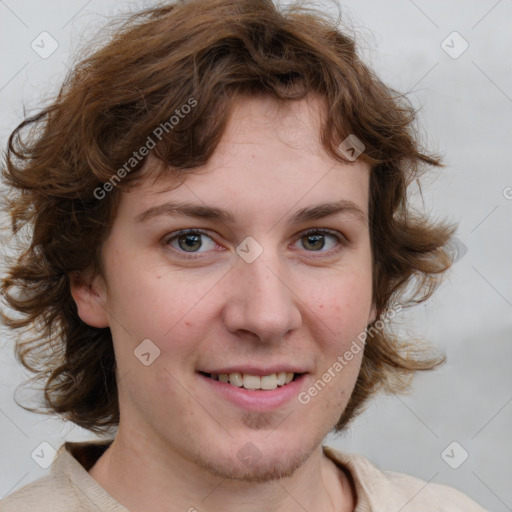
pixel 110 103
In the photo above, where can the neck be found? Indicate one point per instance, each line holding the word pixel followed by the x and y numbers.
pixel 141 476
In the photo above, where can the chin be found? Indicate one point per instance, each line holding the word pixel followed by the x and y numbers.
pixel 260 468
pixel 262 458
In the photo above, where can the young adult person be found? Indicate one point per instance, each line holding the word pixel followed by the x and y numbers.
pixel 221 229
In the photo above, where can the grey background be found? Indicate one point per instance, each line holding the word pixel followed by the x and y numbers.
pixel 466 107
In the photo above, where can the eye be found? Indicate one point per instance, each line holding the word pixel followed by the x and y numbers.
pixel 191 240
pixel 317 239
pixel 197 241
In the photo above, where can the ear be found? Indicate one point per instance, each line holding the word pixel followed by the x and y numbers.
pixel 90 295
pixel 373 314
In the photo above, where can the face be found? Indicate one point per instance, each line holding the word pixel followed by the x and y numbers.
pixel 256 267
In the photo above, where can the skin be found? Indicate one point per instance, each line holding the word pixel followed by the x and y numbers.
pixel 299 302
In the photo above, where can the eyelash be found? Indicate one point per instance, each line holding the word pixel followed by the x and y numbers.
pixel 196 231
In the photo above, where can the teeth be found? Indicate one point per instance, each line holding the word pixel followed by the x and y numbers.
pixel 268 381
pixel 251 381
pixel 247 381
pixel 236 379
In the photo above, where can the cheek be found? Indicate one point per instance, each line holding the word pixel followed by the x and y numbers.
pixel 149 299
pixel 343 303
pixel 171 311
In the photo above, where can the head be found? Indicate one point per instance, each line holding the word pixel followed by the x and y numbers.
pixel 244 112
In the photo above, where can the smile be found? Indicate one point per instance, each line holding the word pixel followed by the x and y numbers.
pixel 254 382
pixel 264 392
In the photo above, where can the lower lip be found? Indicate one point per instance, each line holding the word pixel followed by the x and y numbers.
pixel 256 400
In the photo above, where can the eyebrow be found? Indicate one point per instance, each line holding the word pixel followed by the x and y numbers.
pixel 198 211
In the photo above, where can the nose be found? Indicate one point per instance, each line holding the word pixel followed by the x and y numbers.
pixel 261 300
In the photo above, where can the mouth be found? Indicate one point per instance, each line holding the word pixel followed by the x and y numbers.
pixel 255 389
pixel 255 382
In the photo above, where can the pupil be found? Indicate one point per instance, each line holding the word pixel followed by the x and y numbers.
pixel 315 239
pixel 191 242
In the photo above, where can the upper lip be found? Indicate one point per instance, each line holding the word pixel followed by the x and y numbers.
pixel 259 371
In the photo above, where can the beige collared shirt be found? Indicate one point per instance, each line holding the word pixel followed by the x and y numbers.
pixel 69 488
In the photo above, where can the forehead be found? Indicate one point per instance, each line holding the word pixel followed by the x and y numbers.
pixel 296 123
pixel 270 159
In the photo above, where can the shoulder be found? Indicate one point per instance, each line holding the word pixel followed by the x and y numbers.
pixel 422 495
pixel 390 491
pixel 42 495
pixel 67 486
